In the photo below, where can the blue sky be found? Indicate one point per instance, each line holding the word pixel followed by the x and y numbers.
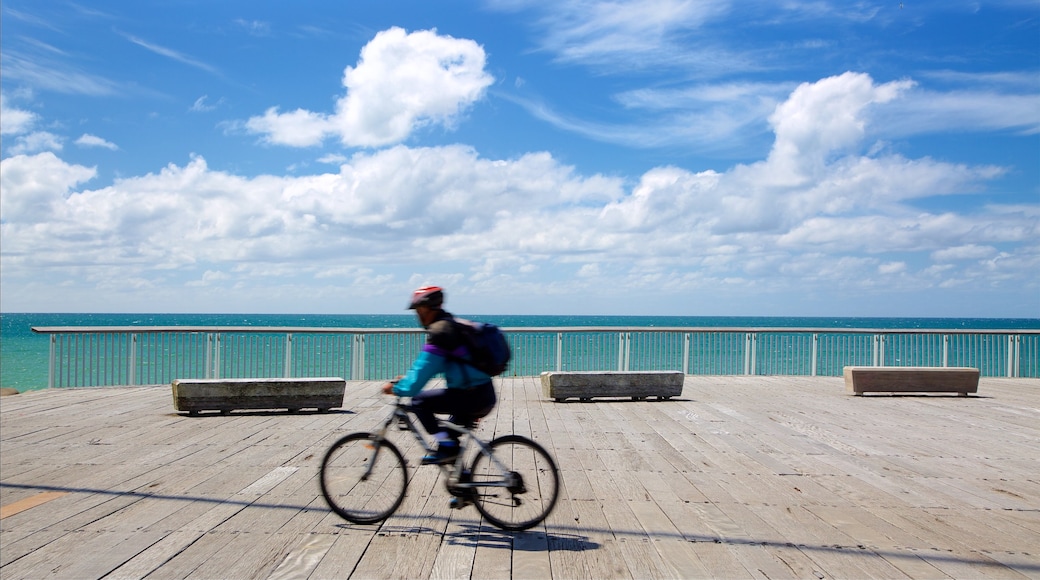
pixel 809 158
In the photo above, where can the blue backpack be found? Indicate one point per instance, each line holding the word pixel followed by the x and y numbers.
pixel 488 348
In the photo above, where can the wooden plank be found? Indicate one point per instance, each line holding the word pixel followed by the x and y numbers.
pixel 80 555
pixel 29 503
pixel 492 556
pixel 341 559
pixel 530 554
pixel 303 558
pixel 455 560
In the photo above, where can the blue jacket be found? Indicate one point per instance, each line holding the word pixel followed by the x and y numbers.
pixel 441 355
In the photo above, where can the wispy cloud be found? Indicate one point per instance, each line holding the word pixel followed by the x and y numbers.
pixel 173 54
pixel 254 27
pixel 203 105
pixel 46 75
pixel 30 19
pixel 635 35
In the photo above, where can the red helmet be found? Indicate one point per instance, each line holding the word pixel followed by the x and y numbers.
pixel 432 296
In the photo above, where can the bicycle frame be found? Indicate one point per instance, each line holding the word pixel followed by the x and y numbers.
pixel 403 415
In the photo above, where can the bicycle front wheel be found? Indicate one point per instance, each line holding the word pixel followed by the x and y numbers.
pixel 363 479
pixel 516 486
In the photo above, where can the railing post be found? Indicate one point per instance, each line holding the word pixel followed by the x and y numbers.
pixel 52 362
pixel 750 345
pixel 1012 362
pixel 217 339
pixel 132 371
pixel 747 351
pixel 287 372
pixel 559 351
pixel 357 359
pixel 686 354
pixel 875 354
pixel 946 350
pixel 754 353
pixel 815 348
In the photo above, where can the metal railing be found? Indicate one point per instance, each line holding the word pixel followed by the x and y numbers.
pixel 98 356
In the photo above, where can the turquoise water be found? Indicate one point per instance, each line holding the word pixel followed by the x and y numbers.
pixel 23 354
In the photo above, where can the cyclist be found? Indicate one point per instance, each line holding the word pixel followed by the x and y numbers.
pixel 469 394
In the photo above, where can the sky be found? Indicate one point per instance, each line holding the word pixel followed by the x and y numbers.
pixel 643 157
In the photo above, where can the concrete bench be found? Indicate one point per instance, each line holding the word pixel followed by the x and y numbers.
pixel 961 380
pixel 639 385
pixel 226 395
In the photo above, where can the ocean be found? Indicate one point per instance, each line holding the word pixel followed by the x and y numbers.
pixel 24 354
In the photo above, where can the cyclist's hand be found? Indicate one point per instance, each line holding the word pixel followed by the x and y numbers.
pixel 388 389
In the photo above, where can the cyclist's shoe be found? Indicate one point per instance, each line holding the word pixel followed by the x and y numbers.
pixel 458 503
pixel 445 453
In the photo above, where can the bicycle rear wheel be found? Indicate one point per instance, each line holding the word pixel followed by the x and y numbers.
pixel 522 494
pixel 363 480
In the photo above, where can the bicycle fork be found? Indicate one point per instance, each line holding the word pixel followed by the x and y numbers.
pixel 375 444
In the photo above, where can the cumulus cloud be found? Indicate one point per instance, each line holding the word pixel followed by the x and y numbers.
pixel 88 140
pixel 35 142
pixel 818 208
pixel 35 187
pixel 401 82
pixel 14 121
pixel 822 119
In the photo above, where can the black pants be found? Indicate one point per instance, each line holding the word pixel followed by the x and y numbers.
pixel 464 405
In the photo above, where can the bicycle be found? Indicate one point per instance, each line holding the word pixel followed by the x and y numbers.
pixel 511 480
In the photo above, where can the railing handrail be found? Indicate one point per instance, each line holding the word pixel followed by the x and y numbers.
pixel 520 329
pixel 81 355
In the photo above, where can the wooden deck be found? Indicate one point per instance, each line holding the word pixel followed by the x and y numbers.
pixel 741 477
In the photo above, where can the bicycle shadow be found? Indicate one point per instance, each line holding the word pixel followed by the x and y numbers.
pixel 481 535
pixel 477 534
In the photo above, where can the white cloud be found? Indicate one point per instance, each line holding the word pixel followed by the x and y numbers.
pixel 88 140
pixel 822 119
pixel 632 34
pixel 402 81
pixel 931 111
pixel 298 128
pixel 33 187
pixel 965 252
pixel 172 54
pixel 716 118
pixel 14 121
pixel 333 159
pixel 816 211
pixel 35 142
pixel 254 27
pixel 890 268
pixel 60 77
pixel 202 105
